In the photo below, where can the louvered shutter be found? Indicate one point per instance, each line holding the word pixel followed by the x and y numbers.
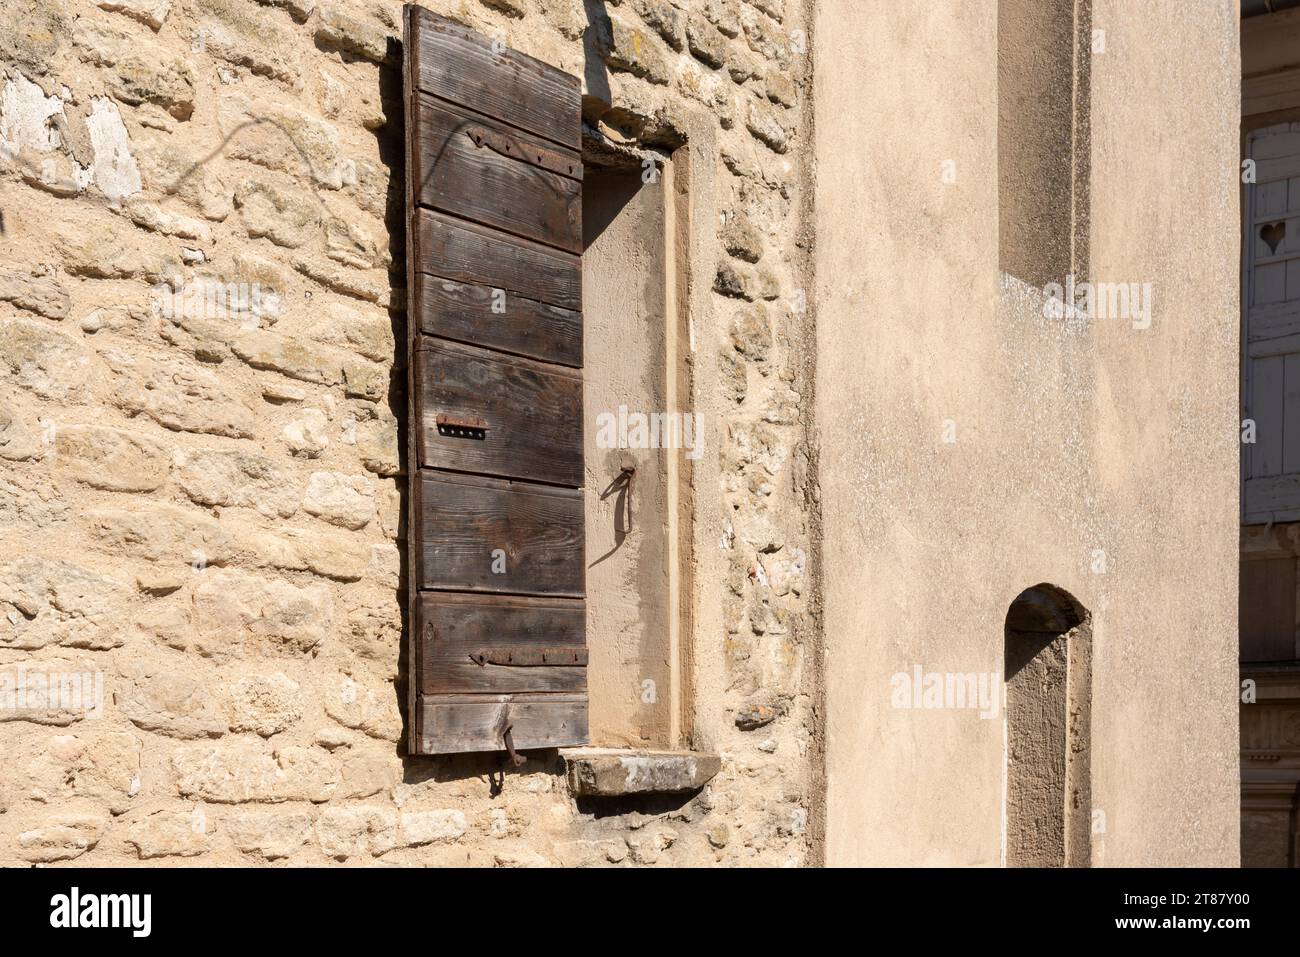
pixel 497 569
pixel 1271 466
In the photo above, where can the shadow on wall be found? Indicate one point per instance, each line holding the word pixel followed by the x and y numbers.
pixel 390 138
pixel 595 76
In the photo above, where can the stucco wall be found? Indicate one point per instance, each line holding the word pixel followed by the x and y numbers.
pixel 204 511
pixel 1167 425
pixel 1094 456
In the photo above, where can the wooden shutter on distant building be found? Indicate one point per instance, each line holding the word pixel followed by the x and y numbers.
pixel 495 531
pixel 1271 367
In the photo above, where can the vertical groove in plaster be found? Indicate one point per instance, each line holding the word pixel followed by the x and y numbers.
pixel 1081 142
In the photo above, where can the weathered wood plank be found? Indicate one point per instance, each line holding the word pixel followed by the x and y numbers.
pixel 451 627
pixel 463 675
pixel 441 119
pixel 510 323
pixel 461 723
pixel 456 625
pixel 481 171
pixel 457 64
pixel 1291 416
pixel 1266 409
pixel 536 531
pixel 527 416
pixel 1272 494
pixel 467 252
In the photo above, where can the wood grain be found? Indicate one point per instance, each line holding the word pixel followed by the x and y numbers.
pixel 465 518
pixel 531 414
pixel 526 327
pixel 479 170
pixel 451 627
pixel 1267 407
pixel 457 64
pixel 467 252
pixel 463 675
pixel 460 723
pixel 455 625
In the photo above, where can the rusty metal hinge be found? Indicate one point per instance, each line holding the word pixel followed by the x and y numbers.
pixel 540 156
pixel 525 657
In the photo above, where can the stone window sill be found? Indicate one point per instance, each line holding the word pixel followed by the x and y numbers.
pixel 620 772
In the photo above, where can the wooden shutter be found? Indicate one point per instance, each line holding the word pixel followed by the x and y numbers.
pixel 1271 374
pixel 497 566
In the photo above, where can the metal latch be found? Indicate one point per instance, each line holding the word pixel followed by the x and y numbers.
pixel 462 426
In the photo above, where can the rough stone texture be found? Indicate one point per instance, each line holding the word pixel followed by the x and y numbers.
pixel 104 768
pixel 263 704
pixel 203 505
pixel 172 704
pixel 51 364
pixel 272 835
pixel 57 692
pixel 50 601
pixel 426 827
pixel 37 294
pixel 362 709
pixel 166 534
pixel 240 615
pixel 344 500
pixel 170 834
pixel 60 837
pixel 238 772
pixel 151 12
pixel 235 477
pixel 112 459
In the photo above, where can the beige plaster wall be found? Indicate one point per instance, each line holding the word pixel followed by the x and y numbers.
pixel 1166 454
pixel 1094 456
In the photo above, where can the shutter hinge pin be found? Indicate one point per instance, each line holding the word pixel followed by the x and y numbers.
pixel 516 758
pixel 626 474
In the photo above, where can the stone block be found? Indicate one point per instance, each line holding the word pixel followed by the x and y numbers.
pixel 612 772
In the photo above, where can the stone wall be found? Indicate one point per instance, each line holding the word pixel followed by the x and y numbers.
pixel 201 387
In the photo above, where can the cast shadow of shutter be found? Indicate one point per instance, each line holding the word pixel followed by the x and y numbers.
pixel 390 137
